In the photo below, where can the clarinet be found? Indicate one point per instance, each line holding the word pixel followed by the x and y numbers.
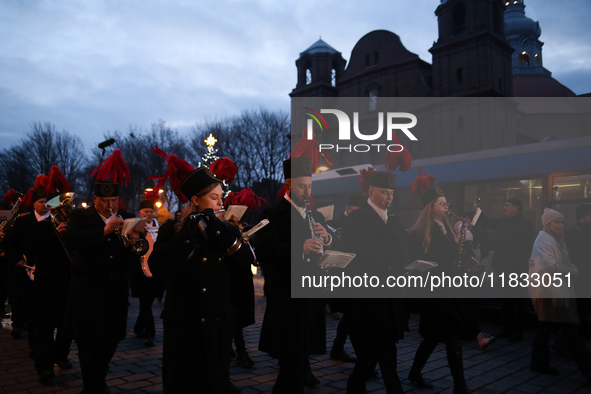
pixel 312 222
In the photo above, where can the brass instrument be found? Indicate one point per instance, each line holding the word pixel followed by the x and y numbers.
pixel 61 208
pixel 137 246
pixel 312 222
pixel 8 223
pixel 466 260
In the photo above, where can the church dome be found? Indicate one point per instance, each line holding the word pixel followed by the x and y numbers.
pixel 518 25
pixel 319 47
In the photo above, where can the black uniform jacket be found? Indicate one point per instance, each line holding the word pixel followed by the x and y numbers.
pixel 381 250
pixel 290 325
pixel 97 305
pixel 443 318
pixel 39 242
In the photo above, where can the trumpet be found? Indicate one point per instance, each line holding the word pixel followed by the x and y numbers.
pixel 137 246
pixel 8 223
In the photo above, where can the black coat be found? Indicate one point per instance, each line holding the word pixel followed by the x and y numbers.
pixel 578 243
pixel 39 242
pixel 198 299
pixel 515 238
pixel 291 325
pixel 381 250
pixel 97 306
pixel 443 318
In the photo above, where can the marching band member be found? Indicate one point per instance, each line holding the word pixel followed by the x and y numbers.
pixel 292 328
pixel 34 236
pixel 198 311
pixel 378 239
pixel 97 307
pixel 147 289
pixel 442 319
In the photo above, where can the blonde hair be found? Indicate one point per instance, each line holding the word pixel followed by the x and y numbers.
pixel 425 222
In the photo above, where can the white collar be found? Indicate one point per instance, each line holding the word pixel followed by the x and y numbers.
pixel 41 218
pixel 383 213
pixel 301 210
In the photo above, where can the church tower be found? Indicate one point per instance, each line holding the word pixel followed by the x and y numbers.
pixel 319 68
pixel 471 56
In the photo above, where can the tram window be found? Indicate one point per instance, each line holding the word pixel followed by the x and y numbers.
pixel 571 187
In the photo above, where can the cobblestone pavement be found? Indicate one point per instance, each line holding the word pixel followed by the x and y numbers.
pixel 502 367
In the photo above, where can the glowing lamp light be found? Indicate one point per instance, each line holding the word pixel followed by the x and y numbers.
pixel 149 190
pixel 323 168
pixel 253 269
pixel 161 191
pixel 84 205
pixel 158 204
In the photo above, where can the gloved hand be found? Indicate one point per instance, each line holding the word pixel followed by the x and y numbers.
pixel 221 235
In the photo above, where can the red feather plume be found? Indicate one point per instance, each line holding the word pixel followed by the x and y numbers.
pixel 365 179
pixel 114 167
pixel 177 170
pixel 402 159
pixel 247 197
pixel 153 195
pixel 56 182
pixel 224 168
pixel 40 182
pixel 422 182
pixel 11 196
pixel 309 149
pixel 28 199
pixel 282 192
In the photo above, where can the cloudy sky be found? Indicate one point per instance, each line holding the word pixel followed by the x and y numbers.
pixel 101 65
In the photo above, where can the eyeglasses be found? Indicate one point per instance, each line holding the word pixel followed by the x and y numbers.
pixel 443 204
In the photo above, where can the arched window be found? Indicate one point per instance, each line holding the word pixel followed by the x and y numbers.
pixel 308 76
pixel 458 19
pixel 538 60
pixel 333 77
pixel 524 59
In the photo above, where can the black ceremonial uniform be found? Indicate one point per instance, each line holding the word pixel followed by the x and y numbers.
pixel 38 241
pixel 376 323
pixel 198 311
pixel 97 306
pixel 292 328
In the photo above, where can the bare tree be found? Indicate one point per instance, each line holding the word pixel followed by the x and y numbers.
pixel 37 152
pixel 257 141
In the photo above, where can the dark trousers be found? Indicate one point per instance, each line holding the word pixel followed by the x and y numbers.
pixel 453 350
pixel 367 359
pixel 49 311
pixel 290 379
pixel 513 315
pixel 238 337
pixel 540 356
pixel 342 333
pixel 145 319
pixel 94 364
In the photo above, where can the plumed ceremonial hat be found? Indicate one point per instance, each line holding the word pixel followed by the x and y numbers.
pixel 517 202
pixel 196 181
pixel 115 168
pixel 431 194
pixel 384 180
pixel 147 204
pixel 295 168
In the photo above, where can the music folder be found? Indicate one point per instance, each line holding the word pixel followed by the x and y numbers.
pixel 335 259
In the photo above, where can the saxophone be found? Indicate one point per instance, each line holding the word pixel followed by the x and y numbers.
pixel 466 261
pixel 311 221
pixel 8 223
